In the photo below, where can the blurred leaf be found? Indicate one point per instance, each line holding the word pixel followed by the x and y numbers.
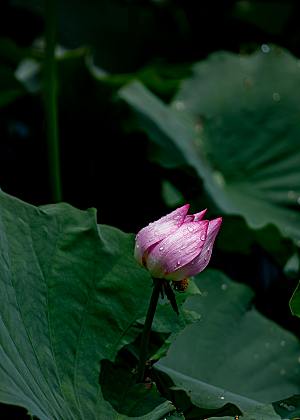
pixel 172 197
pixel 295 301
pixel 28 73
pixel 233 354
pixel 10 53
pixel 235 236
pixel 119 32
pixel 288 408
pixel 292 267
pixel 70 294
pixel 119 387
pixel 236 121
pixel 10 88
pixel 271 16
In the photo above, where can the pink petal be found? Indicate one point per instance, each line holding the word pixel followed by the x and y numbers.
pixel 199 216
pixel 177 249
pixel 158 230
pixel 195 217
pixel 199 263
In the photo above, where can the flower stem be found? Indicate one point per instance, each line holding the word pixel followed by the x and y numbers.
pixel 50 97
pixel 147 329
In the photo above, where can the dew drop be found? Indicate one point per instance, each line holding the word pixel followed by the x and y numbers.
pixel 137 246
pixel 224 286
pixel 282 343
pixel 248 83
pixel 222 398
pixel 161 248
pixel 219 178
pixel 292 195
pixel 198 128
pixel 178 262
pixel 179 105
pixel 265 48
pixel 202 238
pixel 190 228
pixel 183 247
pixel 276 96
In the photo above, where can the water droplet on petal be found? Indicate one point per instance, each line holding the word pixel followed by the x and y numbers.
pixel 222 397
pixel 178 262
pixel 161 248
pixel 265 48
pixel 183 247
pixel 202 238
pixel 190 228
pixel 137 246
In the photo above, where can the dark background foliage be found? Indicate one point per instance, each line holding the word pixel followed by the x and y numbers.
pixel 105 162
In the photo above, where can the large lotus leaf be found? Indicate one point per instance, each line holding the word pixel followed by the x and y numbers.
pixel 236 121
pixel 70 293
pixel 234 354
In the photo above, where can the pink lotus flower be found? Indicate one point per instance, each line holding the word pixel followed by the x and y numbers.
pixel 178 245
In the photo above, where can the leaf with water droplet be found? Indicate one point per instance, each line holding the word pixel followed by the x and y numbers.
pixel 234 335
pixel 230 156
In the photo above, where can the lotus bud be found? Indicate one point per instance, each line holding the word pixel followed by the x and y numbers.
pixel 178 245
